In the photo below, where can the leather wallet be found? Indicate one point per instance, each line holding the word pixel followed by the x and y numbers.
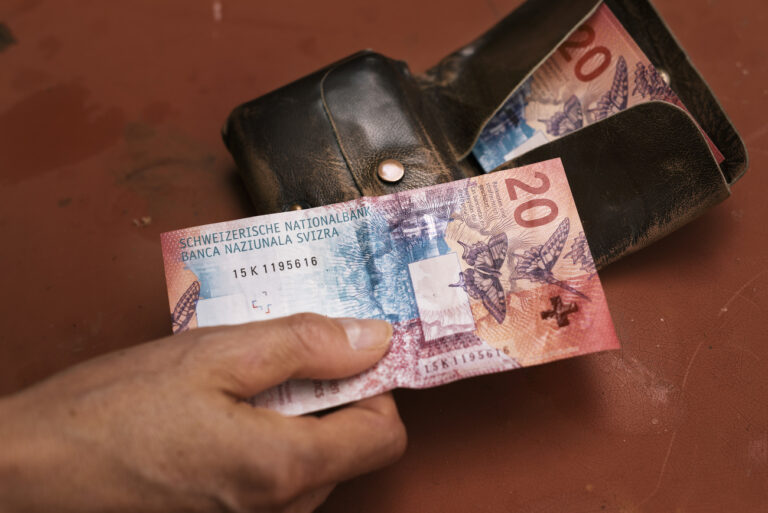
pixel 635 176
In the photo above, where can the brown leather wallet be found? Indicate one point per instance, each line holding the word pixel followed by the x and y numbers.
pixel 635 176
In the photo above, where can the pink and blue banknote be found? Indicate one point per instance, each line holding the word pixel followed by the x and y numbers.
pixel 476 276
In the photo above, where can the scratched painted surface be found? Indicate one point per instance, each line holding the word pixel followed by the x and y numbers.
pixel 108 139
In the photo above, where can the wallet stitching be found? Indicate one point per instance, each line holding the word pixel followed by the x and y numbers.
pixel 335 130
pixel 435 153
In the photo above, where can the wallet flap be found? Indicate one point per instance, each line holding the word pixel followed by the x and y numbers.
pixel 470 85
pixel 285 149
pixel 377 114
pixel 653 36
pixel 635 176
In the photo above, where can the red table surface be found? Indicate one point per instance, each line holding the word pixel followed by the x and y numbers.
pixel 110 112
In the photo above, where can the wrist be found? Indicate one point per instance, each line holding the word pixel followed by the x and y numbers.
pixel 11 453
pixel 23 456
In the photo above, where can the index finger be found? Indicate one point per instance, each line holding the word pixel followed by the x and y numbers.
pixel 357 439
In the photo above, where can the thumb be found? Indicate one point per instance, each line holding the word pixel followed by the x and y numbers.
pixel 252 357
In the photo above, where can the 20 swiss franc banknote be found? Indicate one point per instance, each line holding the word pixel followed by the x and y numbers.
pixel 476 276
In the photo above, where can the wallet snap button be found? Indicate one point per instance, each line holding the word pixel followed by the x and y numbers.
pixel 391 170
pixel 297 205
pixel 664 75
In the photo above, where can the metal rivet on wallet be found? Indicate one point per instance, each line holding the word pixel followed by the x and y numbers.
pixel 664 76
pixel 296 206
pixel 391 170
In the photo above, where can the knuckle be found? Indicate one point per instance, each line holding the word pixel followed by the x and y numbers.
pixel 199 352
pixel 394 438
pixel 307 325
pixel 284 483
pixel 227 354
pixel 399 439
pixel 193 352
pixel 267 487
pixel 231 501
pixel 311 330
pixel 207 342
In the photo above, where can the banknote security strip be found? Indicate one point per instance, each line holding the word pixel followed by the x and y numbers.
pixel 476 276
pixel 599 71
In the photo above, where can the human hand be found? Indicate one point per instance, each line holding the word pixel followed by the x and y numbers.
pixel 162 426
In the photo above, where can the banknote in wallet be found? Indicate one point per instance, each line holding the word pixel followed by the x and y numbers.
pixel 597 72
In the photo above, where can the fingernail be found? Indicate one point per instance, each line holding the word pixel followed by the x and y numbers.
pixel 367 333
